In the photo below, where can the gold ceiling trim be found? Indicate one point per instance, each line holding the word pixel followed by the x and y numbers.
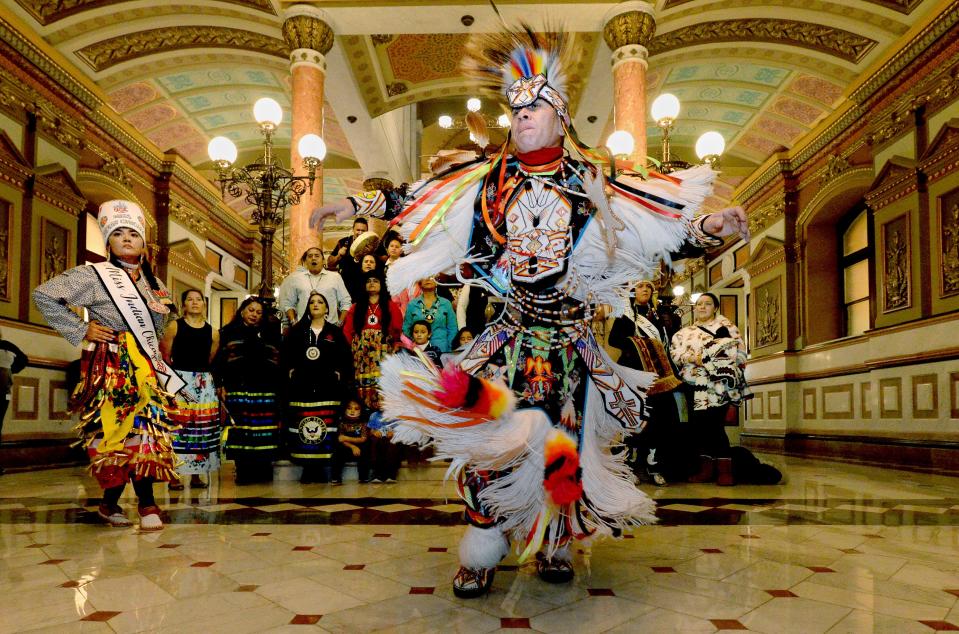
pixel 818 37
pixel 182 12
pixel 902 6
pixel 123 48
pixel 49 11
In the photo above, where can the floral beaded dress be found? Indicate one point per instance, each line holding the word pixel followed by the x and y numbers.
pixel 548 238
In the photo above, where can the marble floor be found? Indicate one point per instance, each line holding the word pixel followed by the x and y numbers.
pixel 836 548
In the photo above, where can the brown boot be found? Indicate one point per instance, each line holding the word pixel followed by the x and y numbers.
pixel 724 472
pixel 707 470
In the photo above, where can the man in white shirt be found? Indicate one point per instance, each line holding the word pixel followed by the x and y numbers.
pixel 312 276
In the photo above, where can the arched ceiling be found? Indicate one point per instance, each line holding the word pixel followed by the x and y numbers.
pixel 761 72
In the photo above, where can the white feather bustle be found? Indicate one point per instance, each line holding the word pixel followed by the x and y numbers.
pixel 482 547
pixel 443 248
pixel 643 238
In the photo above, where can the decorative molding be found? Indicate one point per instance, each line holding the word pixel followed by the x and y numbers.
pixel 774 404
pixel 189 216
pixel 890 398
pixel 10 36
pixel 918 381
pixel 54 185
pixel 846 45
pixel 110 52
pixel 809 403
pixel 185 256
pixel 49 11
pixel 897 178
pixel 13 166
pixel 17 98
pixel 768 254
pixel 835 166
pixel 767 214
pixel 29 410
pixel 116 168
pixel 902 6
pixel 865 400
pixel 842 392
pixel 54 412
pixel 954 395
pixel 919 44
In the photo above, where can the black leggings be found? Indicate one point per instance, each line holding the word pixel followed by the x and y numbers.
pixel 142 487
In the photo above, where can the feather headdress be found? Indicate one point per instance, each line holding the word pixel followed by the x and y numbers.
pixel 523 65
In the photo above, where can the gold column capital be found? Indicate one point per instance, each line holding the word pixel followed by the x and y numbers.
pixel 630 24
pixel 306 28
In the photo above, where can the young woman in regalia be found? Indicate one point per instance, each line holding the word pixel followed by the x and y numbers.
pixel 125 397
pixel 528 413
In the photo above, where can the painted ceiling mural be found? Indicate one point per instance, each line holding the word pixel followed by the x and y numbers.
pixel 763 73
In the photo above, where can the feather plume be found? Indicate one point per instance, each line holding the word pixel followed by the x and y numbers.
pixel 496 60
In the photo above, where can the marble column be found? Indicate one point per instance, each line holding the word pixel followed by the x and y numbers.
pixel 308 33
pixel 628 30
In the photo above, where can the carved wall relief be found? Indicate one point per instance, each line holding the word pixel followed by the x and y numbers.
pixel 948 227
pixel 768 309
pixel 897 271
pixel 55 243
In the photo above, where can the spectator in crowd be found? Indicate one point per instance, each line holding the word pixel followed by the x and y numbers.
pixel 311 276
pixel 12 361
pixel 434 310
pixel 421 341
pixel 660 453
pixel 711 358
pixel 462 340
pixel 189 345
pixel 247 373
pixel 352 442
pixel 317 363
pixel 347 265
pixel 385 455
pixel 373 327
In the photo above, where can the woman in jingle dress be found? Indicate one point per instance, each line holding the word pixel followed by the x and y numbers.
pixel 373 327
pixel 189 345
pixel 124 396
pixel 247 373
pixel 318 363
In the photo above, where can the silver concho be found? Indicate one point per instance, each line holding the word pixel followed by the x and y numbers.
pixel 312 353
pixel 312 430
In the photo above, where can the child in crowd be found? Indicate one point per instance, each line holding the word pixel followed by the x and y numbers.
pixel 421 339
pixel 462 341
pixel 352 442
pixel 385 455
